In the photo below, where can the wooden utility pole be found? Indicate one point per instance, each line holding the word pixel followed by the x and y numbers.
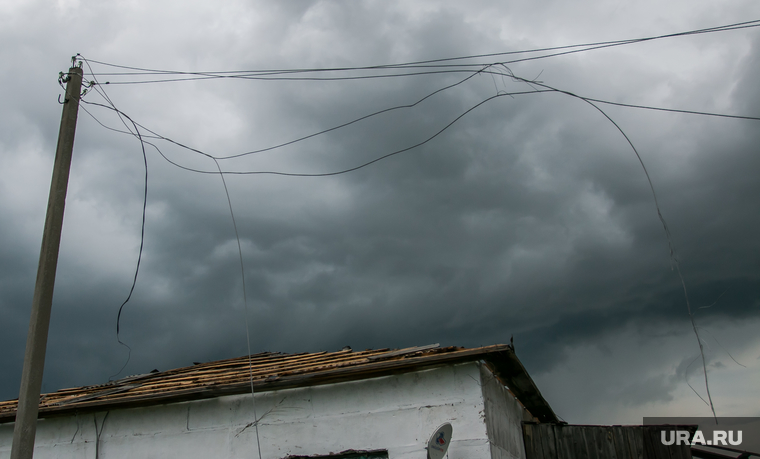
pixel 25 428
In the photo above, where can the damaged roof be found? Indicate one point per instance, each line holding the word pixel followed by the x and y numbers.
pixel 273 371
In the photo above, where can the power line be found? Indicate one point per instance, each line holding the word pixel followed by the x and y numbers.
pixel 94 85
pixel 275 74
pixel 427 69
pixel 411 105
pixel 387 155
pixel 321 174
pixel 511 75
pixel 278 78
pixel 142 242
pixel 245 302
pixel 300 139
pixel 671 246
pixel 673 110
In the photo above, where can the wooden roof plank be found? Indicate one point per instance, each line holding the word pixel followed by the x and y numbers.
pixel 280 371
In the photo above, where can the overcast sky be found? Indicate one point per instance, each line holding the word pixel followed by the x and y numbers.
pixel 530 217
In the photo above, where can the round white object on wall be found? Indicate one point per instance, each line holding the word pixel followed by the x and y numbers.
pixel 439 442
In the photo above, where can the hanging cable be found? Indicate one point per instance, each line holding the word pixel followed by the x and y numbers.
pixel 138 135
pixel 142 239
pixel 671 246
pixel 276 74
pixel 441 69
pixel 245 304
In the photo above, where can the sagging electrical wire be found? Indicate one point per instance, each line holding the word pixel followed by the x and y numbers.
pixel 320 174
pixel 386 110
pixel 533 83
pixel 157 136
pixel 362 118
pixel 279 78
pixel 142 241
pixel 671 246
pixel 94 85
pixel 590 101
pixel 140 252
pixel 379 112
pixel 245 302
pixel 277 74
pixel 485 69
pixel 735 26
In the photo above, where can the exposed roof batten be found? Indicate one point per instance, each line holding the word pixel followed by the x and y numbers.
pixel 273 371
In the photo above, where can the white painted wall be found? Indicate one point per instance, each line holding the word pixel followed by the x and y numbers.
pixel 396 413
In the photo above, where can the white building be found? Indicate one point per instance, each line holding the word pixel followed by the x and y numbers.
pixel 374 403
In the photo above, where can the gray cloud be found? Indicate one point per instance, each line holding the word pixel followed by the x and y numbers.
pixel 531 216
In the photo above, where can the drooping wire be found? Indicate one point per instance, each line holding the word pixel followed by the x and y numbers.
pixel 99 432
pixel 673 256
pixel 485 68
pixel 157 136
pixel 309 136
pixel 324 174
pixel 727 27
pixel 276 74
pixel 673 110
pixel 686 378
pixel 95 85
pixel 362 118
pixel 722 346
pixel 589 46
pixel 278 78
pixel 142 239
pixel 140 252
pixel 291 142
pixel 547 89
pixel 245 304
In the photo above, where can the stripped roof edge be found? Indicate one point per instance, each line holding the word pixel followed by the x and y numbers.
pixel 274 371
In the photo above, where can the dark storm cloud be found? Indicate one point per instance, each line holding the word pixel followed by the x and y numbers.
pixel 531 216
